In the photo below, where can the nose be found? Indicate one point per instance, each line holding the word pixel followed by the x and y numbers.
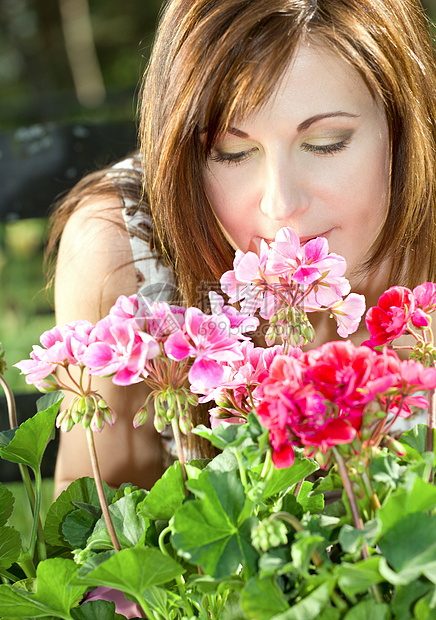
pixel 283 193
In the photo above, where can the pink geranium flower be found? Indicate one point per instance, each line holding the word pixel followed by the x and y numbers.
pixel 120 350
pixel 425 296
pixel 348 313
pixel 340 371
pixel 208 339
pixel 60 346
pixel 425 301
pixel 244 283
pixel 388 320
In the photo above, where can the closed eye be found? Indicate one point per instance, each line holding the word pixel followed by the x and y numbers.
pixel 325 149
pixel 231 158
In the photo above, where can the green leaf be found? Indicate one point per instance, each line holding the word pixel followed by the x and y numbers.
pixel 369 609
pixel 48 400
pixel 95 610
pixel 128 524
pixel 426 607
pixel 225 461
pixel 78 527
pixel 351 538
pixel 406 596
pixel 359 577
pixel 410 548
pixel 402 502
pixel 6 438
pixel 56 592
pixel 302 550
pixel 206 530
pixel 330 613
pixel 10 546
pixel 81 490
pixel 30 440
pixel 416 438
pixel 224 435
pixel 261 599
pixel 385 468
pixel 130 570
pixel 331 482
pixel 6 504
pixel 282 479
pixel 310 607
pixel 166 496
pixel 309 502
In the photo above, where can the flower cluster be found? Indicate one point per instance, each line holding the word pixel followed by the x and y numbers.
pixel 139 340
pixel 287 276
pixel 399 310
pixel 319 399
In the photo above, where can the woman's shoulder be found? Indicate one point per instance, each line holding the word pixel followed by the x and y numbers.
pixel 94 264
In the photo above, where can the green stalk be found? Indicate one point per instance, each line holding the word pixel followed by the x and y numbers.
pixel 145 608
pixel 24 470
pixel 26 565
pixel 358 523
pixel 179 580
pixel 357 520
pixel 295 523
pixel 180 453
pixel 100 490
pixel 241 469
pixel 431 420
pixel 33 535
pixel 431 425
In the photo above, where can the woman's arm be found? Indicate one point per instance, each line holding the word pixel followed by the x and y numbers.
pixel 94 267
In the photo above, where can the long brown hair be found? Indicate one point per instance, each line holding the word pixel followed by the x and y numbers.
pixel 216 60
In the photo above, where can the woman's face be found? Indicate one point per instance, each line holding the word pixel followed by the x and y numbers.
pixel 316 157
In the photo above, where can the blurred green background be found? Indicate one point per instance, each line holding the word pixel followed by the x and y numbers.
pixel 61 62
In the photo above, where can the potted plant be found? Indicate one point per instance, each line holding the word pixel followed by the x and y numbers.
pixel 244 535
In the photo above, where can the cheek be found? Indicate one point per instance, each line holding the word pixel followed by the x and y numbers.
pixel 231 195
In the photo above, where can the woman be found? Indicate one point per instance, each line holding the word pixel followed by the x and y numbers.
pixel 315 114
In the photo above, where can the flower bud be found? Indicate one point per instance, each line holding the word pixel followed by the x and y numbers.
pixel 171 399
pixel 109 416
pixel 159 422
pixel 395 446
pixel 86 420
pixel 66 424
pixel 271 334
pixel 140 417
pixel 185 424
pixel 269 533
pixel 97 422
pixel 76 416
pixel 192 399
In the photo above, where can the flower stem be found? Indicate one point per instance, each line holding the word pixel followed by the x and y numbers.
pixel 295 523
pixel 33 535
pixel 100 491
pixel 431 425
pixel 180 453
pixel 357 520
pixel 241 469
pixel 179 579
pixel 10 402
pixel 145 608
pixel 358 523
pixel 24 470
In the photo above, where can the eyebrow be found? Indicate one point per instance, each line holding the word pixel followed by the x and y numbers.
pixel 318 117
pixel 302 126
